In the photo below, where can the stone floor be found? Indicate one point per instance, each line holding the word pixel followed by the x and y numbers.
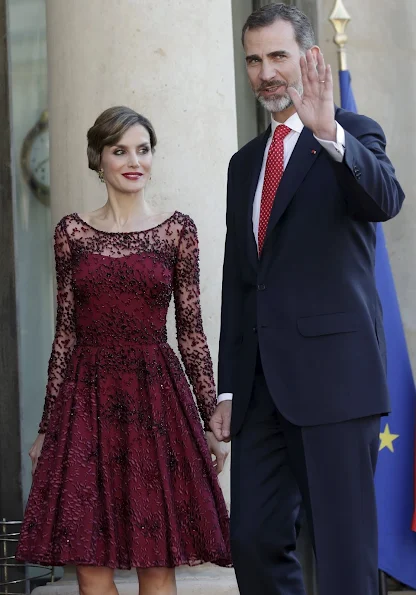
pixel 191 581
pixel 195 581
pixel 220 586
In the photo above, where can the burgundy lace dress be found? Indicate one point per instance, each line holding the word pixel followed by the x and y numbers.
pixel 126 478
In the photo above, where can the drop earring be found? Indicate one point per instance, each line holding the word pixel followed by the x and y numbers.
pixel 101 175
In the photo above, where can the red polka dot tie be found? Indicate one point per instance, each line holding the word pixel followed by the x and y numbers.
pixel 272 177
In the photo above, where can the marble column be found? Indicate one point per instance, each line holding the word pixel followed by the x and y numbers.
pixel 173 62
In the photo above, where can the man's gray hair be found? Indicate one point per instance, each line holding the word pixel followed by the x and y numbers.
pixel 267 15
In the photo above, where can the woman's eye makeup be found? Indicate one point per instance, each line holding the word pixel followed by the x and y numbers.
pixel 141 150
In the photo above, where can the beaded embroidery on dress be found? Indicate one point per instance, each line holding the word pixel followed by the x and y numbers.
pixel 125 478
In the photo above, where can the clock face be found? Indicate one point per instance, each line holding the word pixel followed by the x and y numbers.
pixel 39 158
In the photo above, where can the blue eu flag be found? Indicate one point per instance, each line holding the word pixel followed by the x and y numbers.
pixel 394 476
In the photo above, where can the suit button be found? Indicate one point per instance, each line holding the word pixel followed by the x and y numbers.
pixel 254 329
pixel 261 287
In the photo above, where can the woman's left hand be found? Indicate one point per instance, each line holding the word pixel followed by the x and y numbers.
pixel 220 450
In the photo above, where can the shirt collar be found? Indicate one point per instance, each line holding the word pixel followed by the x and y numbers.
pixel 294 123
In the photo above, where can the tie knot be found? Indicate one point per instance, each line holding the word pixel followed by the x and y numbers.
pixel 281 131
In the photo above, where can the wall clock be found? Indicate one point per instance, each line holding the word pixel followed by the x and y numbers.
pixel 34 159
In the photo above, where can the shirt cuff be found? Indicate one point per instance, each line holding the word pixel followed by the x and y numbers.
pixel 335 149
pixel 224 397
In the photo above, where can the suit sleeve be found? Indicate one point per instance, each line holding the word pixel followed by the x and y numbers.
pixel 367 176
pixel 232 300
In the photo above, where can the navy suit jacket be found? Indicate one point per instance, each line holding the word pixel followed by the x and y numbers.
pixel 309 304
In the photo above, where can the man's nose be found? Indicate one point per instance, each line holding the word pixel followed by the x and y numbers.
pixel 267 72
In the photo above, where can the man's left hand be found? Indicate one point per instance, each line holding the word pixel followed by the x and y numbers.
pixel 316 107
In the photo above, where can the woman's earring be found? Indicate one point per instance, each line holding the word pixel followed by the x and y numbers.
pixel 101 175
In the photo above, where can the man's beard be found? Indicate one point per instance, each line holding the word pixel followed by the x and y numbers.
pixel 278 103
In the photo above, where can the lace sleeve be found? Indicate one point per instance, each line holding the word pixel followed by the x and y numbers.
pixel 65 323
pixel 192 341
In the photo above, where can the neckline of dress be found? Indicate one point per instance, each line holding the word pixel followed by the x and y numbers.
pixel 76 216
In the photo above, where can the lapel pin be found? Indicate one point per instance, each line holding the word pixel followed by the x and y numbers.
pixel 313 151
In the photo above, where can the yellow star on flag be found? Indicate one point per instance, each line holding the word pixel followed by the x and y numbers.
pixel 387 439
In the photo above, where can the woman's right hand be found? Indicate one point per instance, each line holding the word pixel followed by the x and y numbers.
pixel 35 451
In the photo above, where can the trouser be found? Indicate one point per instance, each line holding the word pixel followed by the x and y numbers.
pixel 276 466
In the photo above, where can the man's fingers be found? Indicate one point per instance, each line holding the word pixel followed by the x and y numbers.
pixel 219 427
pixel 311 67
pixel 226 427
pixel 328 78
pixel 217 433
pixel 216 427
pixel 220 422
pixel 225 433
pixel 295 97
pixel 321 68
pixel 304 76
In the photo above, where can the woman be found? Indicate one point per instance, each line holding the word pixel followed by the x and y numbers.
pixel 125 478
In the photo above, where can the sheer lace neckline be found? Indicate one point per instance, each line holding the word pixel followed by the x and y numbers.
pixel 116 233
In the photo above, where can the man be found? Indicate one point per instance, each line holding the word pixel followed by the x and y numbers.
pixel 302 347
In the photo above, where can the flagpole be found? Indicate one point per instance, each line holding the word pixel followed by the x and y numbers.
pixel 340 19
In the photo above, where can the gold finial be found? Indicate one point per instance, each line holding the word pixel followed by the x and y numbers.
pixel 340 19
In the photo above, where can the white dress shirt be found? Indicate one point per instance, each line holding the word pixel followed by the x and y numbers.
pixel 335 149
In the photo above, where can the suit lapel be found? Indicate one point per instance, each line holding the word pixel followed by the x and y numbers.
pixel 256 161
pixel 303 157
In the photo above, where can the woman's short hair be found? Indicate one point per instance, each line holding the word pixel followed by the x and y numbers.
pixel 109 127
